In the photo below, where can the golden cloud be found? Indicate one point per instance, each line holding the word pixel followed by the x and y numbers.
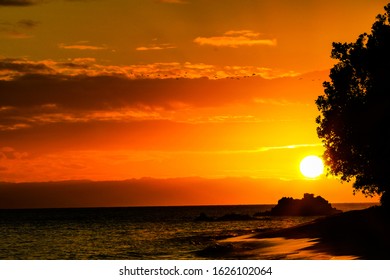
pixel 14 68
pixel 82 47
pixel 236 38
pixel 156 47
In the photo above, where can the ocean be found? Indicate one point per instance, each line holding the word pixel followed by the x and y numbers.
pixel 142 233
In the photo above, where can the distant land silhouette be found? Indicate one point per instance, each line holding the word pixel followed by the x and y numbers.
pixel 162 192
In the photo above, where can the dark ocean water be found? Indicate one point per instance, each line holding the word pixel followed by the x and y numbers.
pixel 128 233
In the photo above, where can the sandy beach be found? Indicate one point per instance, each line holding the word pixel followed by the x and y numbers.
pixel 361 234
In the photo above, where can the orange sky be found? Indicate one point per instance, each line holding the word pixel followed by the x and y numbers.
pixel 114 90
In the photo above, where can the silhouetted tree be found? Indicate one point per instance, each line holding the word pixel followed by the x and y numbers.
pixel 354 124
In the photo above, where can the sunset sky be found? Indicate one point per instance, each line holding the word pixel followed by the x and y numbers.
pixel 114 90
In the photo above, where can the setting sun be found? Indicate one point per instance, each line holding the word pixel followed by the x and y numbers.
pixel 311 166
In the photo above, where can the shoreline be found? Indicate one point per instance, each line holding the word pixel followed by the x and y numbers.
pixel 358 234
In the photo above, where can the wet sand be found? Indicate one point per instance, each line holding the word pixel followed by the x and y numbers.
pixel 360 234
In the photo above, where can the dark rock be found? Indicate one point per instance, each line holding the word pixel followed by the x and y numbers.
pixel 307 206
pixel 204 218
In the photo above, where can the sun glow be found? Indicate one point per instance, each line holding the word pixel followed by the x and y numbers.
pixel 311 166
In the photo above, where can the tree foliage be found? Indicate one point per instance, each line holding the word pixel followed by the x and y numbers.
pixel 354 121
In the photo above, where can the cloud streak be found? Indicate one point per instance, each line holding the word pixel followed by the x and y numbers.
pixel 34 93
pixel 11 68
pixel 235 39
pixel 264 149
pixel 27 23
pixel 14 68
pixel 18 3
pixel 82 47
pixel 17 30
pixel 156 47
